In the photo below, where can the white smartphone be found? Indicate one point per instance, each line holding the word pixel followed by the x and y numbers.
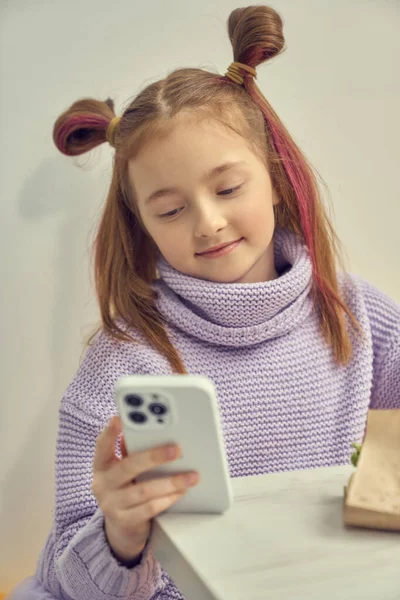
pixel 162 409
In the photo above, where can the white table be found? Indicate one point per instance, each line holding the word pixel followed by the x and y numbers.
pixel 283 539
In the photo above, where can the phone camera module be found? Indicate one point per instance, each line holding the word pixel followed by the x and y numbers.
pixel 138 417
pixel 158 409
pixel 134 400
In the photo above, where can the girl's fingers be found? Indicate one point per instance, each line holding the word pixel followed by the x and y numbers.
pixel 148 491
pixel 135 464
pixel 124 451
pixel 145 512
pixel 105 445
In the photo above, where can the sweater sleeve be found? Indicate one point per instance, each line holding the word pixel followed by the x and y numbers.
pixel 76 562
pixel 384 317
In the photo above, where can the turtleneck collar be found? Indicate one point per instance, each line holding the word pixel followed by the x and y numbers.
pixel 240 314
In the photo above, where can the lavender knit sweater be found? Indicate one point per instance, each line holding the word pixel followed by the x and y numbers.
pixel 284 404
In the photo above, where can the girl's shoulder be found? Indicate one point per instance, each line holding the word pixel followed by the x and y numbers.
pixel 381 312
pixel 379 305
pixel 90 394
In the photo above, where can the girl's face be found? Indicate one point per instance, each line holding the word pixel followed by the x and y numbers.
pixel 201 187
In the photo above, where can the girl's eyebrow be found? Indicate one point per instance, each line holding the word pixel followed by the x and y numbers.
pixel 213 173
pixel 222 168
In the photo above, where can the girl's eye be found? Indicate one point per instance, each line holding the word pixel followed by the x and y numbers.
pixel 171 213
pixel 229 191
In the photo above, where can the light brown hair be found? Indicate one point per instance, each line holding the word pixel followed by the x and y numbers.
pixel 125 256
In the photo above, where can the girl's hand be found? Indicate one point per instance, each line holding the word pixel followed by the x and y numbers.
pixel 128 507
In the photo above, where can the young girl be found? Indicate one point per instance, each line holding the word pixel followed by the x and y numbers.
pixel 214 256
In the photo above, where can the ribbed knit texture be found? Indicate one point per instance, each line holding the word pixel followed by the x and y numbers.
pixel 284 403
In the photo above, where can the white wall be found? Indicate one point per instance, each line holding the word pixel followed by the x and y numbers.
pixel 336 88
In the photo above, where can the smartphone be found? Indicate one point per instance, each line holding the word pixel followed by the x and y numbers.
pixel 163 409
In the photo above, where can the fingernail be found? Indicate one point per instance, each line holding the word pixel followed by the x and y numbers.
pixel 171 452
pixel 192 479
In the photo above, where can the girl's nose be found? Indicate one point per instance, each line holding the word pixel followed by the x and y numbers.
pixel 208 222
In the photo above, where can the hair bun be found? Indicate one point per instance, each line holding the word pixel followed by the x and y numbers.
pixel 256 34
pixel 83 126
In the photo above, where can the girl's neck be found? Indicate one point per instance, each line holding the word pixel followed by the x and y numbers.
pixel 241 313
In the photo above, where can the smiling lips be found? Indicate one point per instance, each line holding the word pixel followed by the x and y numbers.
pixel 220 250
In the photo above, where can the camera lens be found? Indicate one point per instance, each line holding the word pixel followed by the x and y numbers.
pixel 133 400
pixel 138 417
pixel 158 409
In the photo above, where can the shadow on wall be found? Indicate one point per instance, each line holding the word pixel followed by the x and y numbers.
pixel 57 187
